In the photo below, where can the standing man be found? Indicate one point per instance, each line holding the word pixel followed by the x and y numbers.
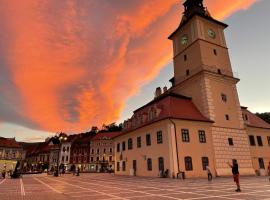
pixel 269 170
pixel 236 175
pixel 209 173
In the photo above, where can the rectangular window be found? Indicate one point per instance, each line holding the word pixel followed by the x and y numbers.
pixel 104 150
pixel 123 165
pixel 261 163
pixel 139 142
pixel 227 117
pixel 215 51
pixel 148 140
pixel 149 164
pixel 202 137
pixel 185 57
pixel 110 150
pixel 187 72
pixel 159 137
pixel 97 158
pixel 118 147
pixel 188 164
pixel 252 140
pixel 205 162
pixel 118 166
pixel 230 141
pixel 92 159
pixel 259 140
pixel 123 146
pixel 110 158
pixel 185 135
pixel 66 158
pixel 92 151
pixel 268 139
pixel 224 97
pixel 130 144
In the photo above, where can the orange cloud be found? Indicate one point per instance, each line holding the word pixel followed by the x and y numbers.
pixel 75 63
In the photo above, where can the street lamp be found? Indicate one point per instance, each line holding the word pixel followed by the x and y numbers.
pixel 57 140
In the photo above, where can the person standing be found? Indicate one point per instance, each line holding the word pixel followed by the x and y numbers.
pixel 209 173
pixel 236 174
pixel 269 170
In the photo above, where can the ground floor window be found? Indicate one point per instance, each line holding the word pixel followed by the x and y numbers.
pixel 261 163
pixel 161 164
pixel 149 164
pixel 205 162
pixel 118 166
pixel 124 166
pixel 188 163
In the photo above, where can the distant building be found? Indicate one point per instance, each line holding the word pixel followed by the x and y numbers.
pixel 10 152
pixel 102 151
pixel 80 154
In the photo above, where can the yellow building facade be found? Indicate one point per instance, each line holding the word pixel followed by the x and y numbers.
pixel 200 116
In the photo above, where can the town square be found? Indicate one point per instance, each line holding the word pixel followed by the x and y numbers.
pixel 105 187
pixel 136 99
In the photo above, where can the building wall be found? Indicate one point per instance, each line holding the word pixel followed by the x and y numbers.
pixel 194 148
pixel 101 154
pixel 260 151
pixel 145 152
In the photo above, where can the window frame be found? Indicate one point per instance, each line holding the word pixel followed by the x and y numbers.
pixel 252 141
pixel 205 162
pixel 202 136
pixel 159 137
pixel 148 139
pixel 149 164
pixel 188 163
pixel 259 141
pixel 230 142
pixel 139 142
pixel 130 144
pixel 185 135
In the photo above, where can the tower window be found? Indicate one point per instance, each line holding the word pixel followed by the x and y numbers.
pixel 185 57
pixel 224 97
pixel 259 140
pixel 268 139
pixel 252 140
pixel 227 117
pixel 230 141
pixel 219 71
pixel 187 72
pixel 215 52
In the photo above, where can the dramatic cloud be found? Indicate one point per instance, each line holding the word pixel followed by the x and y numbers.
pixel 69 64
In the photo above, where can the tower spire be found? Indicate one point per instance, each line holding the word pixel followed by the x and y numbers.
pixel 194 7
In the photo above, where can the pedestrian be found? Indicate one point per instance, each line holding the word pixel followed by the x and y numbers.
pixel 236 175
pixel 269 170
pixel 4 173
pixel 209 173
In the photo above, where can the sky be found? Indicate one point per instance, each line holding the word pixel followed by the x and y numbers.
pixel 69 65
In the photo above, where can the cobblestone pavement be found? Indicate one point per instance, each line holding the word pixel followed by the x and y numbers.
pixel 105 187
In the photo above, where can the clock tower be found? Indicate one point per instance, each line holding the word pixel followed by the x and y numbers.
pixel 202 70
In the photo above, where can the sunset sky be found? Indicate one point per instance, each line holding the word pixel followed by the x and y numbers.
pixel 68 65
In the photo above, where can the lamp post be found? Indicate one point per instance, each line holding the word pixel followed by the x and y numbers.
pixel 57 140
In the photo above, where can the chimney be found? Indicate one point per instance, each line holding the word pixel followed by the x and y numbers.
pixel 158 92
pixel 165 89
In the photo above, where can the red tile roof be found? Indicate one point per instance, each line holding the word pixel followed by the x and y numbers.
pixel 169 105
pixel 106 135
pixel 9 143
pixel 254 120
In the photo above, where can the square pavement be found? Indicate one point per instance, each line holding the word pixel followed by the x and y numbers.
pixel 106 186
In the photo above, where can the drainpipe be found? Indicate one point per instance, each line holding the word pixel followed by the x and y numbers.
pixel 176 145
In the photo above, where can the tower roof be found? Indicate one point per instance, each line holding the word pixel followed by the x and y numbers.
pixel 195 8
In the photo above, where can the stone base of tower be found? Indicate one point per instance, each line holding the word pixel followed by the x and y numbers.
pixel 224 152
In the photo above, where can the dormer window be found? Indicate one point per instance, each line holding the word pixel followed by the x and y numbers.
pixel 152 113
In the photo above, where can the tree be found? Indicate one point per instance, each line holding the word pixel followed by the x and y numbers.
pixel 264 116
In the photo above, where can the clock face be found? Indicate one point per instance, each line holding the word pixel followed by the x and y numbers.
pixel 184 40
pixel 211 33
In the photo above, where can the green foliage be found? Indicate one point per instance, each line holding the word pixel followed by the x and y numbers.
pixel 265 116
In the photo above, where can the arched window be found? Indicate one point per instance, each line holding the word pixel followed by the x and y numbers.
pixel 130 144
pixel 161 164
pixel 188 163
pixel 149 164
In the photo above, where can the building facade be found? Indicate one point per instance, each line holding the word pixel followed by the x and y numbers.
pixel 10 152
pixel 102 152
pixel 197 122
